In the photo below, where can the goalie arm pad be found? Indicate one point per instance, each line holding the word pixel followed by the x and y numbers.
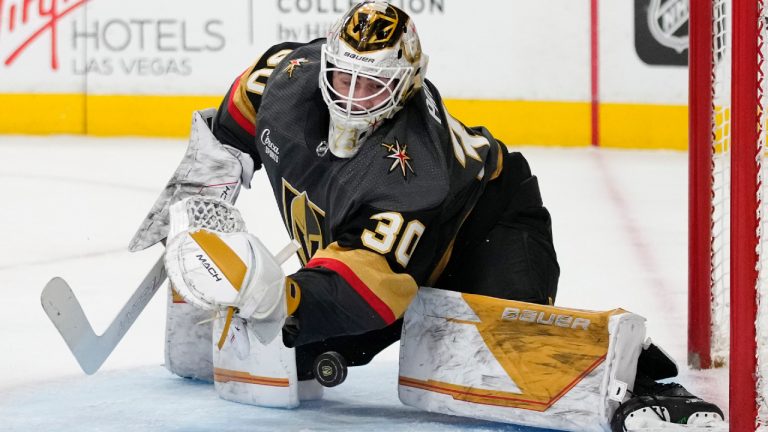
pixel 208 168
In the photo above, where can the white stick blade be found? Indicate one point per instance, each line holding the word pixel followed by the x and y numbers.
pixel 62 307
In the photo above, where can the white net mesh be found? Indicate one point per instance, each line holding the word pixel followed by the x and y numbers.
pixel 204 212
pixel 213 214
pixel 721 172
pixel 762 265
pixel 721 196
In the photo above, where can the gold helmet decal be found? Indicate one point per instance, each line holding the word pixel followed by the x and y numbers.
pixel 372 26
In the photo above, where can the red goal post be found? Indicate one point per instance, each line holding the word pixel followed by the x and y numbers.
pixel 726 200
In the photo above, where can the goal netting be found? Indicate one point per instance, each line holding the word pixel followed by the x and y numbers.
pixel 727 209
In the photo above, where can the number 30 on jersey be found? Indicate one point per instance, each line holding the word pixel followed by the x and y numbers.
pixel 387 232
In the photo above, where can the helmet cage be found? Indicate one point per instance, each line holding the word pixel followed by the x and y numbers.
pixel 393 81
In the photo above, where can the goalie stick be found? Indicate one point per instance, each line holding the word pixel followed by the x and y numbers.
pixel 90 349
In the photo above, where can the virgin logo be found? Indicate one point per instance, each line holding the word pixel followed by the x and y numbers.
pixel 34 19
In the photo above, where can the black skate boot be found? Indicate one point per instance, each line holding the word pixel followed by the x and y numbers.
pixel 670 403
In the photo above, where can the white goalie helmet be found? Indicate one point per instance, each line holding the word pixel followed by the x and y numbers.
pixel 371 64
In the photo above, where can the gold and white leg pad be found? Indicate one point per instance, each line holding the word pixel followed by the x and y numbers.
pixel 517 362
pixel 251 372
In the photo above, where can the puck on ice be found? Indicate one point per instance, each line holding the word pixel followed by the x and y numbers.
pixel 330 369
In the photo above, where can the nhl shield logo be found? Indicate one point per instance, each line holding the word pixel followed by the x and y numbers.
pixel 661 31
pixel 668 23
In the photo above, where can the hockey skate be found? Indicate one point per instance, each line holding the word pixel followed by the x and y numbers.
pixel 655 404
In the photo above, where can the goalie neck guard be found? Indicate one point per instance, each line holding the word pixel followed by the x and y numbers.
pixel 370 66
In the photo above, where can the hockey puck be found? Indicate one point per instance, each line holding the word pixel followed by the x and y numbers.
pixel 330 369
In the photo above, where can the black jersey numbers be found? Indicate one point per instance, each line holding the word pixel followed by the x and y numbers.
pixel 257 81
pixel 387 236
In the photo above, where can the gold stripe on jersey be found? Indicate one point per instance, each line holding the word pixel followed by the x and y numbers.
pixel 292 294
pixel 240 97
pixel 499 162
pixel 396 290
pixel 446 258
pixel 440 267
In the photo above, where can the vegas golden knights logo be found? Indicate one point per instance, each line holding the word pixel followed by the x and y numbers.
pixel 371 27
pixel 304 221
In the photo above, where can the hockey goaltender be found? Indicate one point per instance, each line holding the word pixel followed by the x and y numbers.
pixel 384 194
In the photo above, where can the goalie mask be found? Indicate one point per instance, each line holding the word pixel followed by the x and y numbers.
pixel 370 65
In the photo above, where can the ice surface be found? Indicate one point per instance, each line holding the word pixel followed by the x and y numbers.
pixel 71 204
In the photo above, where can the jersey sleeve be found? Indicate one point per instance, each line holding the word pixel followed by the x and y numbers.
pixel 366 279
pixel 235 121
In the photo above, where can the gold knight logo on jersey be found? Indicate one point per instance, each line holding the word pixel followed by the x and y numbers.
pixel 401 159
pixel 304 221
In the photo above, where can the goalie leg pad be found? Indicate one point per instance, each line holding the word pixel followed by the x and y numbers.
pixel 187 340
pixel 517 362
pixel 250 372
